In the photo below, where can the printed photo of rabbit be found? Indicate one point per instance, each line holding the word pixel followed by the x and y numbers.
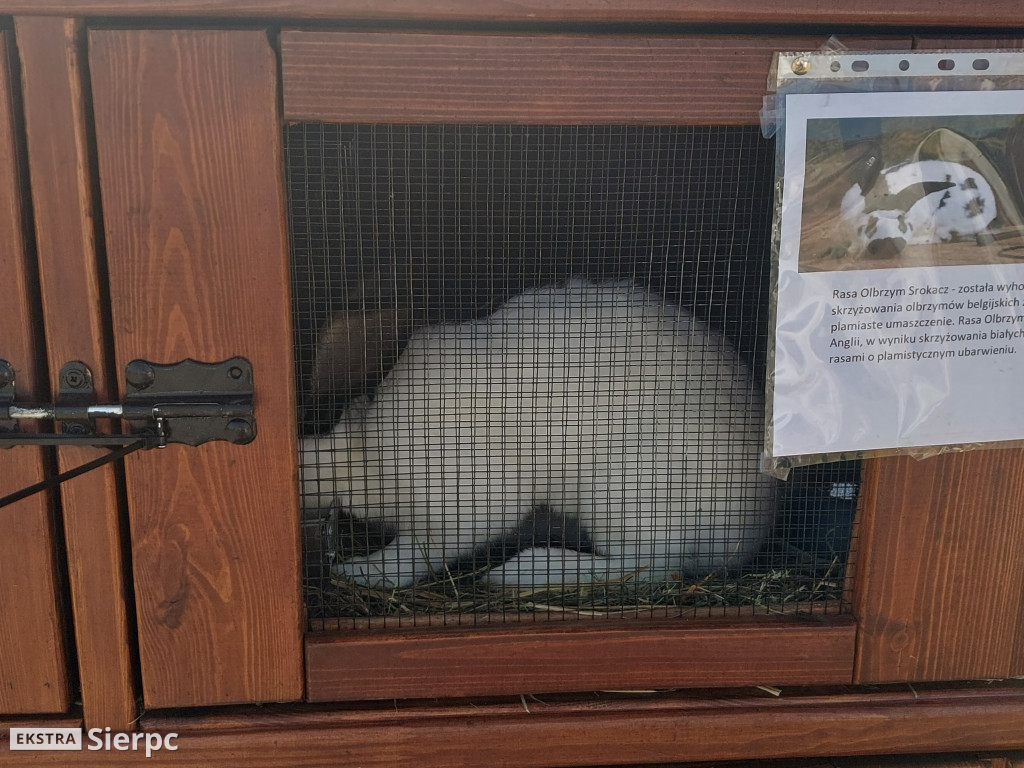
pixel 881 193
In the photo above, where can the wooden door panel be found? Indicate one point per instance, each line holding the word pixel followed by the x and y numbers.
pixel 75 312
pixel 188 138
pixel 33 658
pixel 940 568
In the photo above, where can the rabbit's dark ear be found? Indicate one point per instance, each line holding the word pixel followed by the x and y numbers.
pixel 885 248
pixel 355 349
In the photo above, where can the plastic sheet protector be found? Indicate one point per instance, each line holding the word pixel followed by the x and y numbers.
pixel 898 314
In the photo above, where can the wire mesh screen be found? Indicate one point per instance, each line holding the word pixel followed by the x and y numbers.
pixel 531 365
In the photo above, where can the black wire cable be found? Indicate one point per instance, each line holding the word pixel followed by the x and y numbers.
pixel 55 480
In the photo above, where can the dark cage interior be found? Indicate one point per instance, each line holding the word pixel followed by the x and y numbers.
pixel 531 362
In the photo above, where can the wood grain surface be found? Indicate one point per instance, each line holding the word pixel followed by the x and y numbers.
pixel 75 311
pixel 33 658
pixel 575 656
pixel 531 79
pixel 956 42
pixel 190 168
pixel 939 589
pixel 872 13
pixel 624 730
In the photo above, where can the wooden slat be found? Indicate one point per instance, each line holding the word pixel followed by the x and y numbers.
pixel 649 617
pixel 576 656
pixel 940 568
pixel 956 42
pixel 662 730
pixel 52 67
pixel 874 13
pixel 33 675
pixel 66 721
pixel 517 79
pixel 921 761
pixel 189 151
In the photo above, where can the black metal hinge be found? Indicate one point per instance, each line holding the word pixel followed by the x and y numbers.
pixel 187 402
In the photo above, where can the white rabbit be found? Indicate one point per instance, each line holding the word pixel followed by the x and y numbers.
pixel 597 400
pixel 922 202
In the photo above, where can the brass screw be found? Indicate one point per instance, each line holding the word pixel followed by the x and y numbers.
pixel 800 66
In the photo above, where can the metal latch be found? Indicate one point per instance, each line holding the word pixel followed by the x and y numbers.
pixel 187 402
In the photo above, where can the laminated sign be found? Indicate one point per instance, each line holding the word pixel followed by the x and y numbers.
pixel 899 242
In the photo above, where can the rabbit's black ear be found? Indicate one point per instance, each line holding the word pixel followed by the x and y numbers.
pixel 355 349
pixel 886 247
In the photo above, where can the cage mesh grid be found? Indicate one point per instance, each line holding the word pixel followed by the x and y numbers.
pixel 439 273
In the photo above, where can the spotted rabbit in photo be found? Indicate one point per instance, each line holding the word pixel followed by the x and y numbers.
pixel 914 203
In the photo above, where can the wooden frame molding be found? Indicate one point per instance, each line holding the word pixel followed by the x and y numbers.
pixel 439 78
pixel 570 656
pixel 95 520
pixel 602 730
pixel 998 13
pixel 405 77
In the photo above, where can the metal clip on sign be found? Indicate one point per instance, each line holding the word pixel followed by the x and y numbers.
pixel 931 64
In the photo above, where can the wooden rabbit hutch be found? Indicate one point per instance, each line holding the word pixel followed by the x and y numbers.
pixel 170 177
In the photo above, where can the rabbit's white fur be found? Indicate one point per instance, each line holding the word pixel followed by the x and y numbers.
pixel 597 400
